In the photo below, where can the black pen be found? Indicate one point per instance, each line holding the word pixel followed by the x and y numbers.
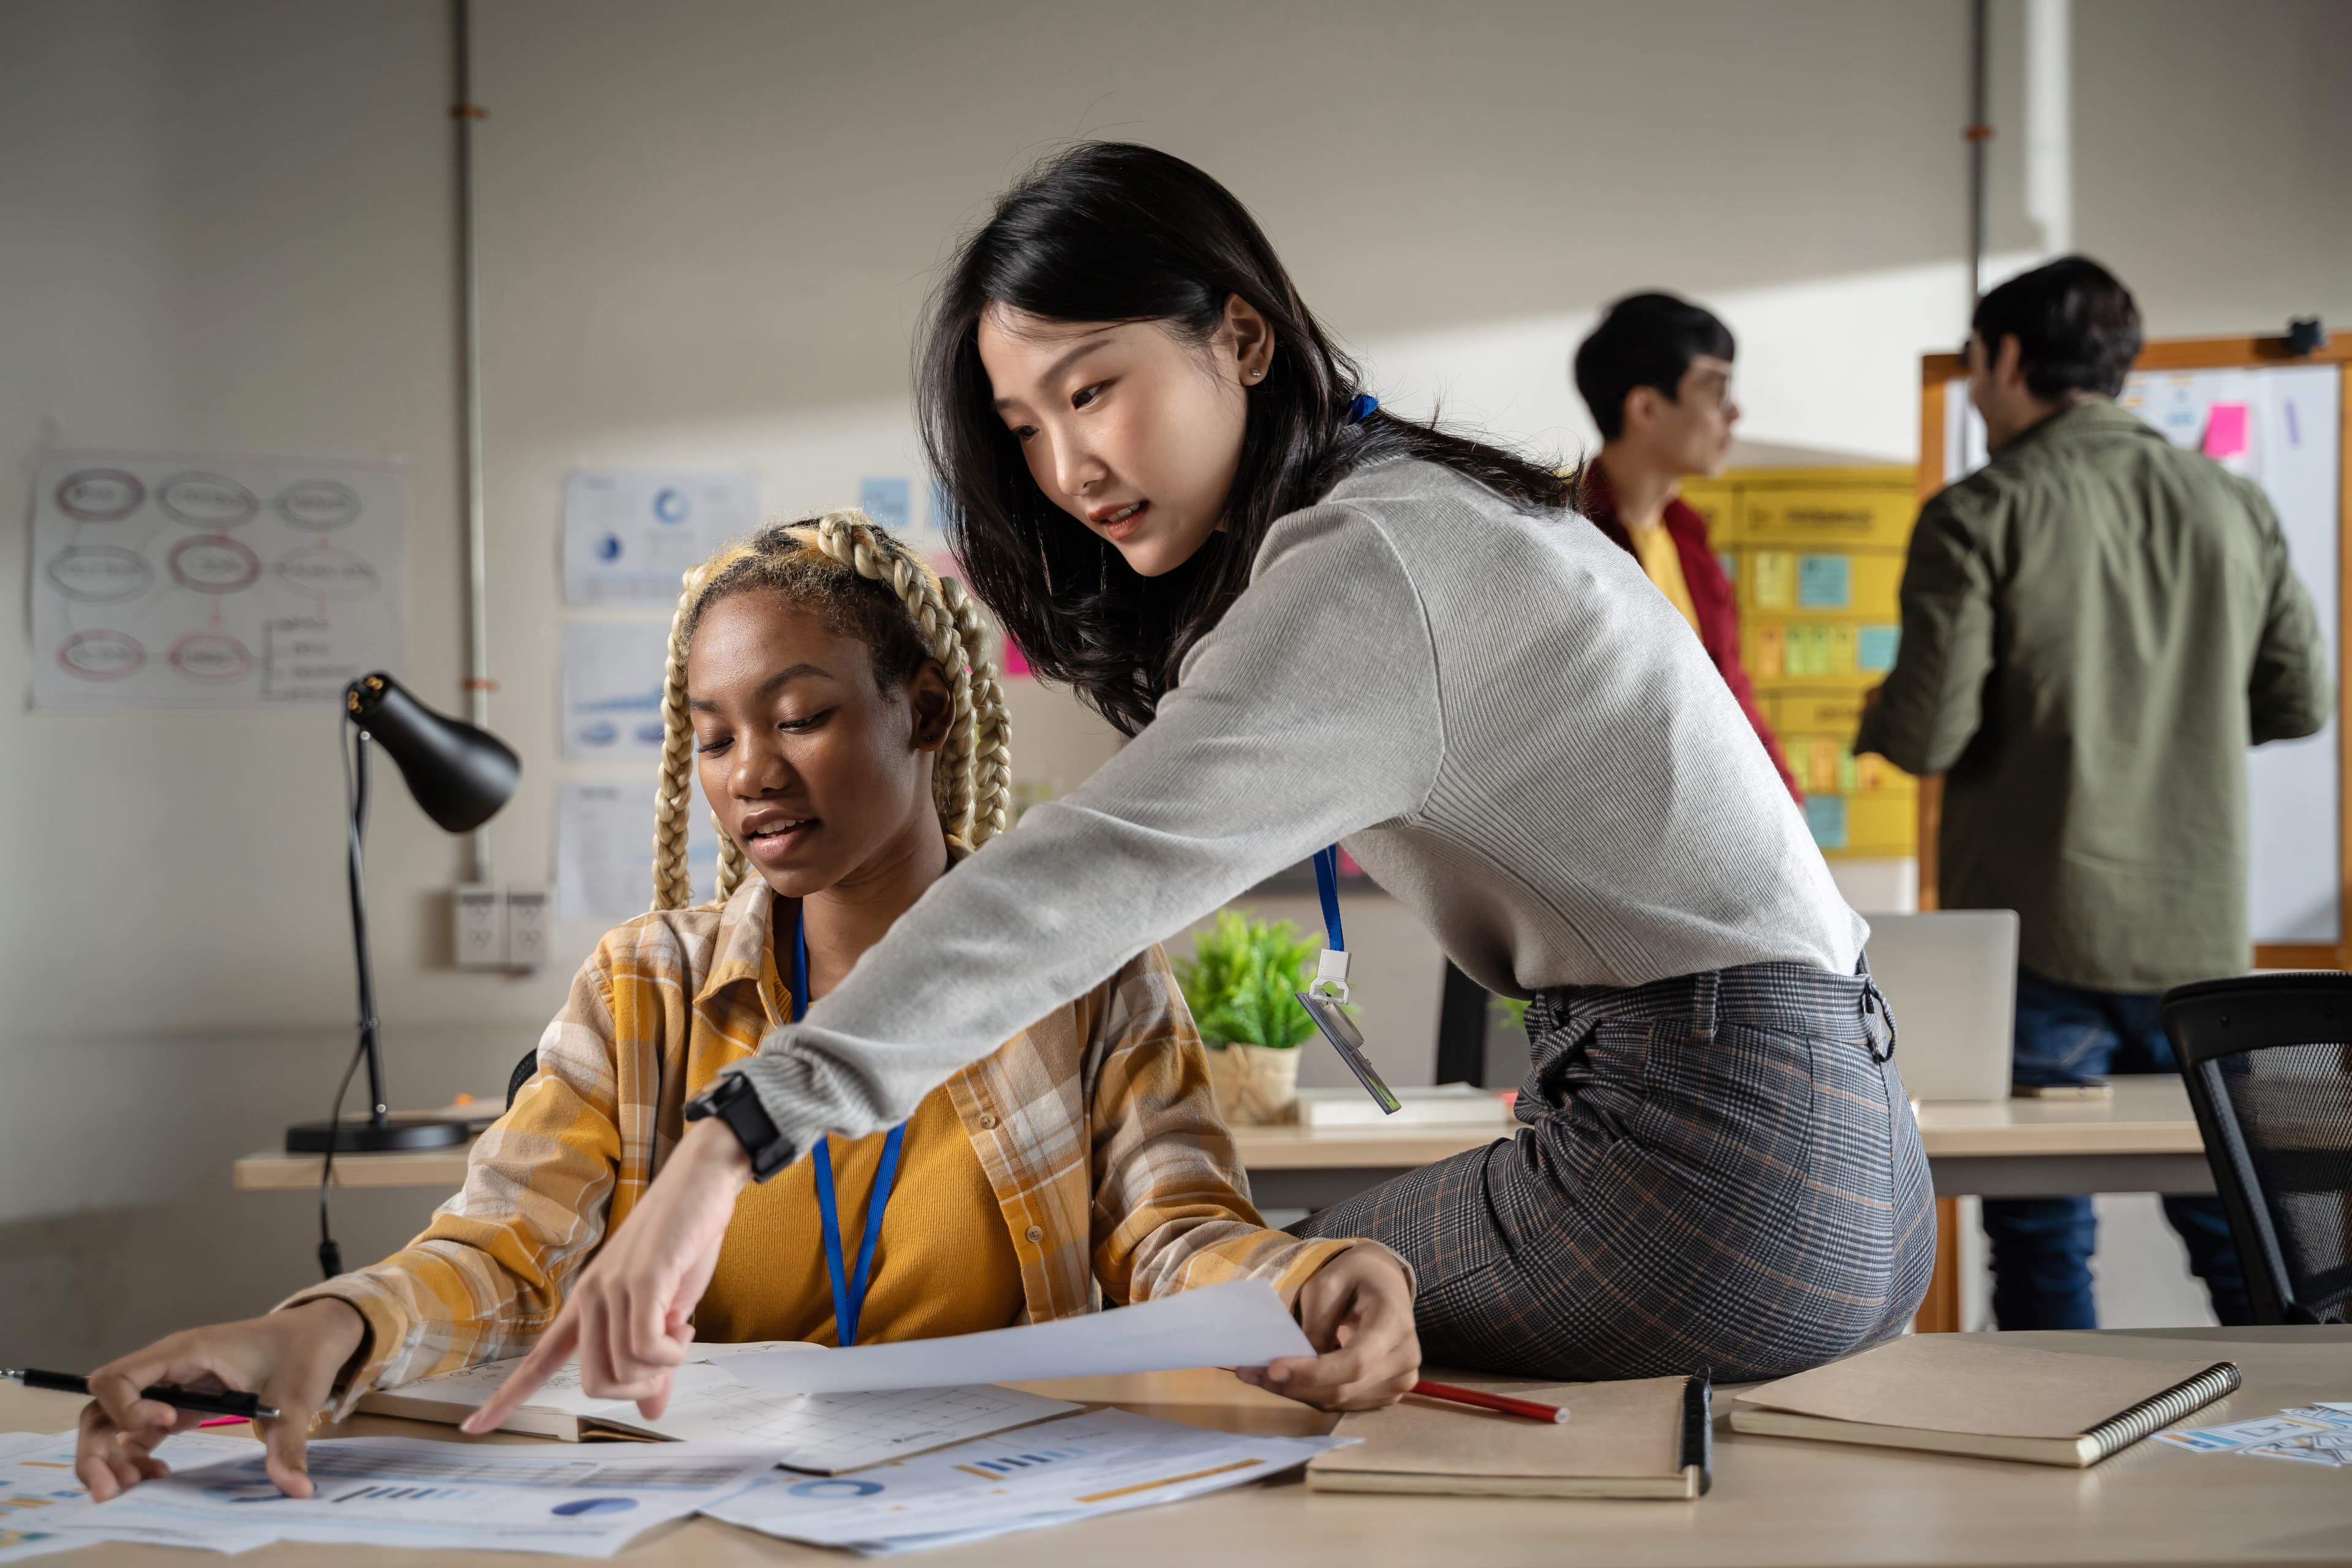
pixel 203 1401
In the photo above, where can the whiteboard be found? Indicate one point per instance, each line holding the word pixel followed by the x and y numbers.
pixel 2290 447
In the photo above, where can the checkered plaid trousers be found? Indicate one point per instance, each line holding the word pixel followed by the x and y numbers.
pixel 1719 1172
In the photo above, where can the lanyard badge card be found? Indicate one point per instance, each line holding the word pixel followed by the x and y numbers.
pixel 1326 1000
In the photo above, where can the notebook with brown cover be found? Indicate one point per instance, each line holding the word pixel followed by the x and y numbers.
pixel 1645 1438
pixel 1960 1394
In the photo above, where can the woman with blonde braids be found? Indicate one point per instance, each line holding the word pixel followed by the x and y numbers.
pixel 828 692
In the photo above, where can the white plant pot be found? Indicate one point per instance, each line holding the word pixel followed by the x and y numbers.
pixel 1256 1086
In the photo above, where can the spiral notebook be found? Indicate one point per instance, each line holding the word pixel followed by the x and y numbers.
pixel 1648 1438
pixel 1953 1394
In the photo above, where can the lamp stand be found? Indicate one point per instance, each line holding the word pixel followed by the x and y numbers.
pixel 379 1130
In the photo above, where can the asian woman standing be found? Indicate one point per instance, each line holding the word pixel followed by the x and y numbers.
pixel 1320 623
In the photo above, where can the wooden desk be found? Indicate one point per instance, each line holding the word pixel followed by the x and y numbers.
pixel 2142 1139
pixel 1776 1501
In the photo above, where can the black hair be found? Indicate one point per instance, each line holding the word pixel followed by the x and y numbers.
pixel 2076 326
pixel 1110 231
pixel 1644 339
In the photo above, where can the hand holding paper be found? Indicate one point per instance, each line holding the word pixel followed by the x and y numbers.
pixel 1240 1324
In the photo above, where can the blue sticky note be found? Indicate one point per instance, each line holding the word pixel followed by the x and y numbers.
pixel 1824 581
pixel 1825 815
pixel 1875 648
pixel 885 500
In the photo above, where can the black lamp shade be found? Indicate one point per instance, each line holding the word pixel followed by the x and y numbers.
pixel 459 774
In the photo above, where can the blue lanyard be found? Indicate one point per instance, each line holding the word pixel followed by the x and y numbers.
pixel 1327 861
pixel 1326 885
pixel 848 1294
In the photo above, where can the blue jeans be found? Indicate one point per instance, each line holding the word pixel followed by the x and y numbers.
pixel 2041 1247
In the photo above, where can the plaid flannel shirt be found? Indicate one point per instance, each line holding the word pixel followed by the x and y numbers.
pixel 1096 1125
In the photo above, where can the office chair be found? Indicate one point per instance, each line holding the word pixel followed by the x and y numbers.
pixel 2268 1062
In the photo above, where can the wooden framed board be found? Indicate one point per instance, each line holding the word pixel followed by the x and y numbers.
pixel 2286 420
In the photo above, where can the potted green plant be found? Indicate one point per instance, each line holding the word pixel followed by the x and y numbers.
pixel 1239 983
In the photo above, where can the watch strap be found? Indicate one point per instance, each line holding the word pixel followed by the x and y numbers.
pixel 733 1101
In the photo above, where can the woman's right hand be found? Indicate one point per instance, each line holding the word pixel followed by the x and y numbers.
pixel 288 1359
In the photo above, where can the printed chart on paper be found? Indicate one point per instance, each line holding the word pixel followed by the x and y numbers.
pixel 166 581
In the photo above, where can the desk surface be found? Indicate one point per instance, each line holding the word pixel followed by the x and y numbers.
pixel 1776 1501
pixel 2146 1115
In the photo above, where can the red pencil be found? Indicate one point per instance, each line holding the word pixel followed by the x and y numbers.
pixel 1527 1407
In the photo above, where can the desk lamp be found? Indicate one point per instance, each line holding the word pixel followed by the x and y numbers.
pixel 460 775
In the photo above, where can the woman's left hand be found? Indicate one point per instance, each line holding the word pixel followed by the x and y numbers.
pixel 1357 1310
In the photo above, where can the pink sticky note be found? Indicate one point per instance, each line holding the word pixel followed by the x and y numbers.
pixel 2225 430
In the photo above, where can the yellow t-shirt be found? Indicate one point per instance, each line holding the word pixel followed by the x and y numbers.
pixel 943 1264
pixel 1663 564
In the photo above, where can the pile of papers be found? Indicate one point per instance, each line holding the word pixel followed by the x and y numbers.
pixel 38 1493
pixel 2317 1433
pixel 821 1411
pixel 399 1491
pixel 1074 1467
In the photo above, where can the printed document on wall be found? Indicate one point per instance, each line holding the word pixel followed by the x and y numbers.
pixel 163 580
pixel 630 536
pixel 604 849
pixel 613 689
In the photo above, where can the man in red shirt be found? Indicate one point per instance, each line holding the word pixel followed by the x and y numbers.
pixel 1656 374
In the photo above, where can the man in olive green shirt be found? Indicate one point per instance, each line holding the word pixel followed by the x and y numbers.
pixel 2095 627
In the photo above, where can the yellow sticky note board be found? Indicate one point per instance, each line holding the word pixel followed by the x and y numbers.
pixel 1772 579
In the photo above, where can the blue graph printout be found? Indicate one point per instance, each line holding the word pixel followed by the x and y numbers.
pixel 402 1491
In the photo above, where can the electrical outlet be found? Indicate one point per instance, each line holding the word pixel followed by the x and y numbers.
pixel 479 932
pixel 526 914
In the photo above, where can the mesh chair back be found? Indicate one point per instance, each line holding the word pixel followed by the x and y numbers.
pixel 2268 1062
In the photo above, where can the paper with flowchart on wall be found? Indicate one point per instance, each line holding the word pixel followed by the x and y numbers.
pixel 629 535
pixel 1241 1323
pixel 604 849
pixel 405 1491
pixel 163 580
pixel 612 676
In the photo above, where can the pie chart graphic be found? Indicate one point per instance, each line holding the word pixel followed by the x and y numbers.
pixel 836 1487
pixel 591 1507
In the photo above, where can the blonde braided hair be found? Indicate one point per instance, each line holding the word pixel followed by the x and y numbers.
pixel 826 562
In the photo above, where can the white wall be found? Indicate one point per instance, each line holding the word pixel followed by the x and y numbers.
pixel 706 230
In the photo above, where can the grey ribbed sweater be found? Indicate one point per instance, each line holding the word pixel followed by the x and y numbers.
pixel 1503 721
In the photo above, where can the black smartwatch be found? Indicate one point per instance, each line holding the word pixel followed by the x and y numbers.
pixel 734 1101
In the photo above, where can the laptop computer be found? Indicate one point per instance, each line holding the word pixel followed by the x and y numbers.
pixel 1951 979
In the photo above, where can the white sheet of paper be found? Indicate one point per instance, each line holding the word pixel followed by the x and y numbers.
pixel 826 1433
pixel 604 849
pixel 175 580
pixel 401 1491
pixel 630 535
pixel 1239 1324
pixel 613 689
pixel 38 1494
pixel 1104 1462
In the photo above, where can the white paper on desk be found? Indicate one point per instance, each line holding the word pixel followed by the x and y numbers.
pixel 826 1433
pixel 1104 1462
pixel 1239 1324
pixel 38 1496
pixel 401 1492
